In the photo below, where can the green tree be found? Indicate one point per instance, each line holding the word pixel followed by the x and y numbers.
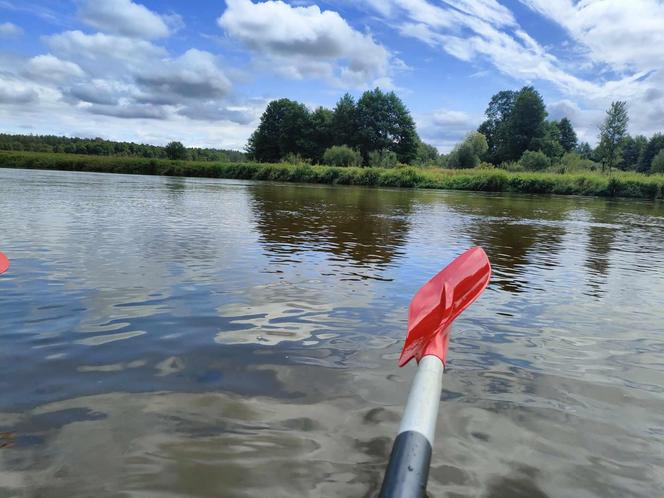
pixel 385 123
pixel 612 133
pixel 467 154
pixel 283 129
pixel 550 142
pixel 495 127
pixel 658 163
pixel 632 149
pixel 526 122
pixel 427 155
pixel 175 150
pixel 344 122
pixel 655 144
pixel 567 135
pixel 320 134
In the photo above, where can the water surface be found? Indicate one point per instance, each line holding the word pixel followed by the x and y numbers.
pixel 192 337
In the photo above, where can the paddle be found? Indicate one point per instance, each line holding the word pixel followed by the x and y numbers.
pixel 433 309
pixel 4 263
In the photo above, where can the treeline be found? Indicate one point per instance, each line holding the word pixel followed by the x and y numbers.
pixel 101 147
pixel 517 135
pixel 377 130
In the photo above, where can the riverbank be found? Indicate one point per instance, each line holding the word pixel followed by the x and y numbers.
pixel 619 184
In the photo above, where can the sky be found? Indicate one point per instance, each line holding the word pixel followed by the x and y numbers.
pixel 202 72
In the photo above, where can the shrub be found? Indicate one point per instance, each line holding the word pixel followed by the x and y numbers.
pixel 292 158
pixel 383 158
pixel 534 160
pixel 342 155
pixel 657 165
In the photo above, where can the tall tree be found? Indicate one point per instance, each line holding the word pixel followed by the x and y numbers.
pixel 655 144
pixel 320 135
pixel 549 142
pixel 344 122
pixel 283 130
pixel 632 149
pixel 584 150
pixel 567 135
pixel 526 122
pixel 612 133
pixel 174 150
pixel 495 127
pixel 385 123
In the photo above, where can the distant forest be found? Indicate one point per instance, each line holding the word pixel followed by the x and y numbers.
pixel 100 147
pixel 377 130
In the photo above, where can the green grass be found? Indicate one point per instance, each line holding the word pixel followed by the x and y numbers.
pixel 619 184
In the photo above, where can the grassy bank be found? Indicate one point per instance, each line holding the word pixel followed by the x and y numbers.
pixel 619 184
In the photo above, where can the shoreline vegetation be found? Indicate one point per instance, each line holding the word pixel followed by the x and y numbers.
pixel 483 178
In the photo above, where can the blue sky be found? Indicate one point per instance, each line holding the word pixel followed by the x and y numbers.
pixel 202 71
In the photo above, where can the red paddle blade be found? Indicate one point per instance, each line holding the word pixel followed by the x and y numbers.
pixel 437 304
pixel 4 263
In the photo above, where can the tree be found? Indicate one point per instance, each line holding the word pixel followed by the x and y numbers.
pixel 655 144
pixel 467 154
pixel 320 134
pixel 612 134
pixel 495 127
pixel 549 143
pixel 525 122
pixel 344 122
pixel 385 123
pixel 283 130
pixel 426 154
pixel 175 150
pixel 658 163
pixel 632 149
pixel 567 135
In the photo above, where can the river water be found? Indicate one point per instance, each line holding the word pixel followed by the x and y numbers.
pixel 192 337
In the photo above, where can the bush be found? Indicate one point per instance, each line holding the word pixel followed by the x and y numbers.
pixel 657 165
pixel 382 159
pixel 342 155
pixel 534 160
pixel 292 158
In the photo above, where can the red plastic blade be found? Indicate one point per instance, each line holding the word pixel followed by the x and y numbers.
pixel 4 263
pixel 440 301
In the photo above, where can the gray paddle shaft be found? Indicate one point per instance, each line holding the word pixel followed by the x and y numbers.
pixel 408 470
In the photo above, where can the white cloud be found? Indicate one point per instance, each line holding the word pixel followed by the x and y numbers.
pixel 12 92
pixel 123 17
pixel 302 42
pixel 49 67
pixel 622 48
pixel 102 48
pixel 444 128
pixel 9 30
pixel 194 75
pixel 625 35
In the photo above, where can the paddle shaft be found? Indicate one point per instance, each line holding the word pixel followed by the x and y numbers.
pixel 408 470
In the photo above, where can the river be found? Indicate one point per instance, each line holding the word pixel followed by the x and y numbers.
pixel 191 337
